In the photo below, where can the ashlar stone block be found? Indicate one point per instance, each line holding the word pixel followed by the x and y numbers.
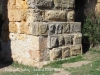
pixel 55 15
pixel 43 28
pixel 56 53
pixel 75 27
pixel 77 39
pixel 11 14
pixel 61 40
pixel 41 4
pixel 52 41
pixel 11 4
pixel 39 28
pixel 44 4
pixel 66 28
pixel 59 28
pixel 21 4
pixel 68 39
pixel 70 16
pixel 76 50
pixel 21 36
pixel 13 27
pixel 65 51
pixel 52 28
pixel 64 4
pixel 35 15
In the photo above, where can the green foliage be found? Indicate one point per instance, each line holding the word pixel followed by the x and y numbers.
pixel 91 29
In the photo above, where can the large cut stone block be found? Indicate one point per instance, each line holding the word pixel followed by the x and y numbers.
pixel 35 55
pixel 66 28
pixel 11 15
pixel 34 15
pixel 52 41
pixel 55 15
pixel 21 4
pixel 52 28
pixel 68 39
pixel 55 27
pixel 41 4
pixel 70 16
pixel 60 40
pixel 75 27
pixel 12 27
pixel 56 53
pixel 77 39
pixel 64 4
pixel 11 4
pixel 76 50
pixel 21 36
pixel 65 51
pixel 39 28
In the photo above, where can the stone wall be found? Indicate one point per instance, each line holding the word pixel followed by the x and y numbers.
pixel 40 30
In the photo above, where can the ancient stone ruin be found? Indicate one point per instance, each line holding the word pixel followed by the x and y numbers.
pixel 35 31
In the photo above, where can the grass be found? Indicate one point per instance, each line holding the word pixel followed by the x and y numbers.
pixel 58 63
pixel 89 69
pixel 20 69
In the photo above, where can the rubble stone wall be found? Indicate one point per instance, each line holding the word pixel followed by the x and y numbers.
pixel 40 30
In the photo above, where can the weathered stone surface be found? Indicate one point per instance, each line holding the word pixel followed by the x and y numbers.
pixel 64 4
pixel 21 4
pixel 12 36
pixel 34 15
pixel 75 27
pixel 35 55
pixel 52 28
pixel 66 28
pixel 44 52
pixel 12 27
pixel 21 36
pixel 11 15
pixel 11 4
pixel 40 4
pixel 65 52
pixel 39 30
pixel 59 28
pixel 76 50
pixel 55 53
pixel 77 39
pixel 43 28
pixel 35 29
pixel 52 41
pixel 61 40
pixel 68 39
pixel 70 16
pixel 55 15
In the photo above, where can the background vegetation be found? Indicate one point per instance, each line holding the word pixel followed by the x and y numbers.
pixel 91 26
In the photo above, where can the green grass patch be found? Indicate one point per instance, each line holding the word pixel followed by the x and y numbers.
pixel 58 63
pixel 89 69
pixel 20 69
